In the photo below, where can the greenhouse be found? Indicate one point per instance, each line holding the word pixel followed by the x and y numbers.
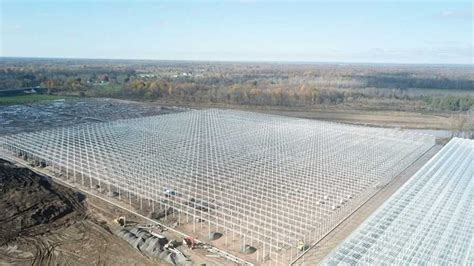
pixel 429 221
pixel 273 181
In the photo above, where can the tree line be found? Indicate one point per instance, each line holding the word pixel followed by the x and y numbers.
pixel 247 84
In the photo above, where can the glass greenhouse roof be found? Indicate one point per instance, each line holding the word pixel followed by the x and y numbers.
pixel 430 220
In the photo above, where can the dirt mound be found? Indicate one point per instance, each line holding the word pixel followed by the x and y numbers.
pixel 43 223
pixel 28 200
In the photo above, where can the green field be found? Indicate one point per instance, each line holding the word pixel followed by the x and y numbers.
pixel 21 99
pixel 108 90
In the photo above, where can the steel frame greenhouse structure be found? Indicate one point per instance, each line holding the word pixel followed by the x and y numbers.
pixel 429 221
pixel 271 180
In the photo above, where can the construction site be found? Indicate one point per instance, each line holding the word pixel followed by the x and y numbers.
pixel 231 187
pixel 236 132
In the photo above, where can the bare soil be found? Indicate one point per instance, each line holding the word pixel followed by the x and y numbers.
pixel 43 223
pixel 346 114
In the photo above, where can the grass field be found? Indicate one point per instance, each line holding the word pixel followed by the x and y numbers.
pixel 107 90
pixel 22 99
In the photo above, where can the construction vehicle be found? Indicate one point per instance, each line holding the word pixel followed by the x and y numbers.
pixel 121 221
pixel 189 242
pixel 302 246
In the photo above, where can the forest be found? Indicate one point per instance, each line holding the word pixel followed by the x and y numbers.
pixel 369 86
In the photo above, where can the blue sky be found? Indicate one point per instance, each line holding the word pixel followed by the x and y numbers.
pixel 314 31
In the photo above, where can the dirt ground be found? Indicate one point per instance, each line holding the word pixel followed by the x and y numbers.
pixel 46 224
pixel 68 112
pixel 347 114
pixel 72 111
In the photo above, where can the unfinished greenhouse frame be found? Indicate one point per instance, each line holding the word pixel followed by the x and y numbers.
pixel 274 181
pixel 429 221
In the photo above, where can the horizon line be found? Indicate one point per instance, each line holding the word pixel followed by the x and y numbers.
pixel 241 61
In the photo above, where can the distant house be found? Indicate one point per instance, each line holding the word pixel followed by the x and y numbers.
pixel 147 75
pixel 30 91
pixel 183 74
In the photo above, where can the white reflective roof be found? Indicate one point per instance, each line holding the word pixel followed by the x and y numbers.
pixel 430 220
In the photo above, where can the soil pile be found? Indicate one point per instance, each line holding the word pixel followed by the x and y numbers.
pixel 28 201
pixel 43 223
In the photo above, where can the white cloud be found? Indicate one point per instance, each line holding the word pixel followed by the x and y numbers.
pixel 456 14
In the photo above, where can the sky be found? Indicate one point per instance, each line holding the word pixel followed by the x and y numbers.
pixel 425 32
